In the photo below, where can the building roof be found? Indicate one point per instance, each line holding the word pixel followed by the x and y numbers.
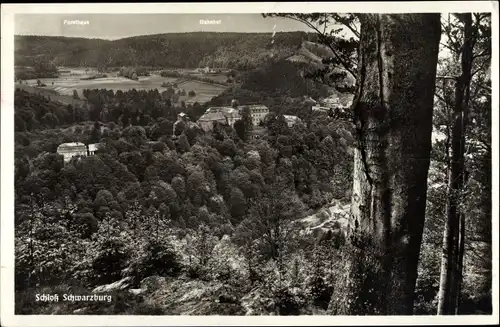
pixel 331 99
pixel 71 145
pixel 257 106
pixel 213 109
pixel 320 108
pixel 212 116
pixel 219 109
pixel 230 112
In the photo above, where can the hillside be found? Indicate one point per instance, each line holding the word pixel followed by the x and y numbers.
pixel 310 57
pixel 181 50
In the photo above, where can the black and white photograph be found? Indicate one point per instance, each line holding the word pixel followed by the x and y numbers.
pixel 281 161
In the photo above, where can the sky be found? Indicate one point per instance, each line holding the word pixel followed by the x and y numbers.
pixel 115 26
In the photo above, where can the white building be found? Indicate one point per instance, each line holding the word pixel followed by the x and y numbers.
pixel 70 150
pixel 258 112
pixel 93 148
pixel 77 149
pixel 321 108
pixel 232 115
pixel 208 70
pixel 206 122
pixel 332 101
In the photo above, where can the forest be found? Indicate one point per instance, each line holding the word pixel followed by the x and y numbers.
pixel 241 51
pixel 172 220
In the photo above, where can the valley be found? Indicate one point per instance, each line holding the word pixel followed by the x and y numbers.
pixel 224 173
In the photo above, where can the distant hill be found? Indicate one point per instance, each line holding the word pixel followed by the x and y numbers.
pixel 176 50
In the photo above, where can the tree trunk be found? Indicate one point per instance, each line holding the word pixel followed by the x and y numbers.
pixel 393 115
pixel 460 263
pixel 451 269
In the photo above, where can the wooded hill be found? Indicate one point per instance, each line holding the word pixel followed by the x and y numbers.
pixel 180 50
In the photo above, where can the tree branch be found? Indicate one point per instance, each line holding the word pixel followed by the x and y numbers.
pixel 487 146
pixel 326 43
pixel 450 38
pixel 349 26
pixel 484 87
pixel 485 52
pixel 442 99
pixel 447 46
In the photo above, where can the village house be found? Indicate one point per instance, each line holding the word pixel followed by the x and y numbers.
pixel 332 101
pixel 206 70
pixel 70 150
pixel 327 104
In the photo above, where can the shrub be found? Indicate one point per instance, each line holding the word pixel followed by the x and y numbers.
pixel 289 301
pixel 111 258
pixel 155 258
pixel 320 291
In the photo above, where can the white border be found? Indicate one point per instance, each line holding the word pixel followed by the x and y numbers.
pixel 7 162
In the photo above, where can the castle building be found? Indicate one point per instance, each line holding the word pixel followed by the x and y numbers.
pixel 77 149
pixel 232 115
pixel 70 150
pixel 258 112
pixel 206 122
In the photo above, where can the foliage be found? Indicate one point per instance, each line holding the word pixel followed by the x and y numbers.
pixel 475 202
pixel 179 50
pixel 154 258
pixel 220 207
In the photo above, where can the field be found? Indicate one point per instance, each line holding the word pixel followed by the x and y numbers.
pixel 204 91
pixel 72 80
pixel 218 78
pixel 54 95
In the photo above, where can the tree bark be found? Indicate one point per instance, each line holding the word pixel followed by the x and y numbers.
pixel 393 116
pixel 451 267
pixel 460 263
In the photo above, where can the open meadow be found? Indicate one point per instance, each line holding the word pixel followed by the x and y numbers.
pixel 70 80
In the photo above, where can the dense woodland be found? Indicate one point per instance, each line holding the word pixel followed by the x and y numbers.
pixel 217 214
pixel 240 51
pixel 213 181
